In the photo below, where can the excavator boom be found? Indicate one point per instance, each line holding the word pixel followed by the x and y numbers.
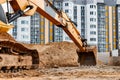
pixel 58 18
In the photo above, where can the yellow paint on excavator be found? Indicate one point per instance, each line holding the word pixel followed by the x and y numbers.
pixel 5 27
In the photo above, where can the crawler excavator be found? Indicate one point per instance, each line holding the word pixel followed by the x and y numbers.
pixel 22 57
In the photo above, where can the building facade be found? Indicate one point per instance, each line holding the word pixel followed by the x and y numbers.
pixel 96 22
pixel 91 24
pixel 68 8
pixel 58 32
pixel 118 26
pixel 21 30
pixel 103 28
pixel 84 14
pixel 107 28
pixel 35 29
pixel 46 31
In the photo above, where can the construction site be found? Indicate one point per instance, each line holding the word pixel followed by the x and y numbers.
pixel 64 60
pixel 59 62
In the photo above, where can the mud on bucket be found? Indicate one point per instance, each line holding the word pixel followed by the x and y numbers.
pixel 87 57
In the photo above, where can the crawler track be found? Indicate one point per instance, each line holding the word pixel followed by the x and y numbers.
pixel 15 56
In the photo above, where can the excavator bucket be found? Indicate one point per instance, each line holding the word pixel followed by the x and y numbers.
pixel 88 57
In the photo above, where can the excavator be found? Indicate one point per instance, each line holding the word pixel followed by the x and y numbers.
pixel 25 58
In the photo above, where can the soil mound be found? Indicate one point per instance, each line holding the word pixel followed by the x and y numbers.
pixel 56 54
pixel 114 61
pixel 6 36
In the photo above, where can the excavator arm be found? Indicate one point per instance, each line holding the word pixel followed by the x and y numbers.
pixel 57 17
pixel 86 55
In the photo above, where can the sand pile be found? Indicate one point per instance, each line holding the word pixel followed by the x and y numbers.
pixel 6 36
pixel 53 54
pixel 114 61
pixel 57 54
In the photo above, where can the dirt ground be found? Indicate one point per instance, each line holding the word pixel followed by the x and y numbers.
pixel 58 61
pixel 66 73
